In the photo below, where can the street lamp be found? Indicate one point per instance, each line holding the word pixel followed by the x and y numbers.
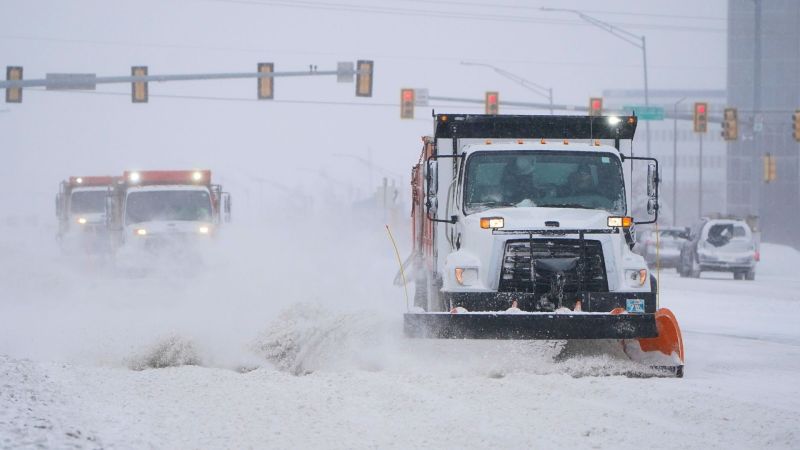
pixel 527 84
pixel 633 39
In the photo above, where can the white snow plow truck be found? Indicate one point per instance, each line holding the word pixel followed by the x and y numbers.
pixel 153 209
pixel 521 232
pixel 81 212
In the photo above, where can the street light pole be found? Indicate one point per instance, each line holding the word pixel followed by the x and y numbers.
pixel 675 163
pixel 527 84
pixel 633 39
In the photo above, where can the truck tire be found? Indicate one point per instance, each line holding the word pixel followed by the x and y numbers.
pixel 738 275
pixel 750 275
pixel 694 269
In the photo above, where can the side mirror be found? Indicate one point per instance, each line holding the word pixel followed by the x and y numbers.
pixel 226 207
pixel 652 180
pixel 432 182
pixel 431 177
pixel 652 206
pixel 433 205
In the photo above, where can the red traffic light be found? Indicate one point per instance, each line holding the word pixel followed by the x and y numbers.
pixel 701 108
pixel 595 106
pixel 492 103
pixel 408 95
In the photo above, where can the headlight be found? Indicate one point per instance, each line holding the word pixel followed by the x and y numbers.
pixel 203 230
pixel 140 232
pixel 636 278
pixel 466 277
pixel 82 220
pixel 616 222
pixel 492 222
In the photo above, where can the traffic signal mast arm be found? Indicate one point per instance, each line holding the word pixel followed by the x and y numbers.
pixel 83 81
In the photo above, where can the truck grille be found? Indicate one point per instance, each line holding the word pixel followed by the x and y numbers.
pixel 553 256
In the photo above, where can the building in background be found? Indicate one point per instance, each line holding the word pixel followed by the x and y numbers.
pixel 764 84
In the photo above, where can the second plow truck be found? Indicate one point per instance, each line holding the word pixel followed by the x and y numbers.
pixel 520 232
pixel 153 209
pixel 81 212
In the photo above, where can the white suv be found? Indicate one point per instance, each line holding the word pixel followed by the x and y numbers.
pixel 720 245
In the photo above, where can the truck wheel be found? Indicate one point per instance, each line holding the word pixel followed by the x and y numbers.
pixel 680 270
pixel 694 272
pixel 750 275
pixel 738 275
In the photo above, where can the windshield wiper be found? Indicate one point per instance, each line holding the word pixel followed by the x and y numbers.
pixel 492 204
pixel 567 205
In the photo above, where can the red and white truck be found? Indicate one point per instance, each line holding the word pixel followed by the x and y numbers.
pixel 155 208
pixel 81 212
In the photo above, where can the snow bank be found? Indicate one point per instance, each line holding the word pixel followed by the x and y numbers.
pixel 778 260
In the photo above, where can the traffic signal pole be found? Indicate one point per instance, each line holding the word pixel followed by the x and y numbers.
pixel 345 73
pixel 700 181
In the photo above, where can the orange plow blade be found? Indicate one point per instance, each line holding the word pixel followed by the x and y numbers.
pixel 664 352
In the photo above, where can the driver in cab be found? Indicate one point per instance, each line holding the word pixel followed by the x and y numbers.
pixel 519 182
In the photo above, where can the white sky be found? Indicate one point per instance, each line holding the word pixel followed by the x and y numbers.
pixel 52 135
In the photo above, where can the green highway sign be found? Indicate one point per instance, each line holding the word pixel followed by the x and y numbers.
pixel 645 112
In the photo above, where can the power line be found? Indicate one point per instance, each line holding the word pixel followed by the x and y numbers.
pixel 537 8
pixel 349 7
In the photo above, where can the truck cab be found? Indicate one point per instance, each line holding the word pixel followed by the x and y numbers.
pixel 509 190
pixel 81 210
pixel 535 224
pixel 160 208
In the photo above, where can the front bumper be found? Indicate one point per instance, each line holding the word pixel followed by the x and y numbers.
pixel 723 264
pixel 590 301
pixel 529 326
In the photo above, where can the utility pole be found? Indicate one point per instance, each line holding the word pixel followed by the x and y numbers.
pixel 758 151
pixel 700 182
pixel 675 163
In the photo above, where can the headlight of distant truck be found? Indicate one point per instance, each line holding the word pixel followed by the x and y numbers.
pixel 466 276
pixel 140 232
pixel 204 230
pixel 82 220
pixel 636 278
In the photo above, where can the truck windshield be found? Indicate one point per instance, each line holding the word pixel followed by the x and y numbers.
pixel 554 179
pixel 87 202
pixel 148 206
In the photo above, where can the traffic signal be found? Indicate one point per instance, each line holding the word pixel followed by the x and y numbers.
pixel 364 78
pixel 795 124
pixel 13 95
pixel 492 103
pixel 596 106
pixel 770 168
pixel 700 117
pixel 406 103
pixel 730 125
pixel 139 88
pixel 266 85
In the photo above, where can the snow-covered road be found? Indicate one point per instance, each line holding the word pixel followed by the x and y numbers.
pixel 322 363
